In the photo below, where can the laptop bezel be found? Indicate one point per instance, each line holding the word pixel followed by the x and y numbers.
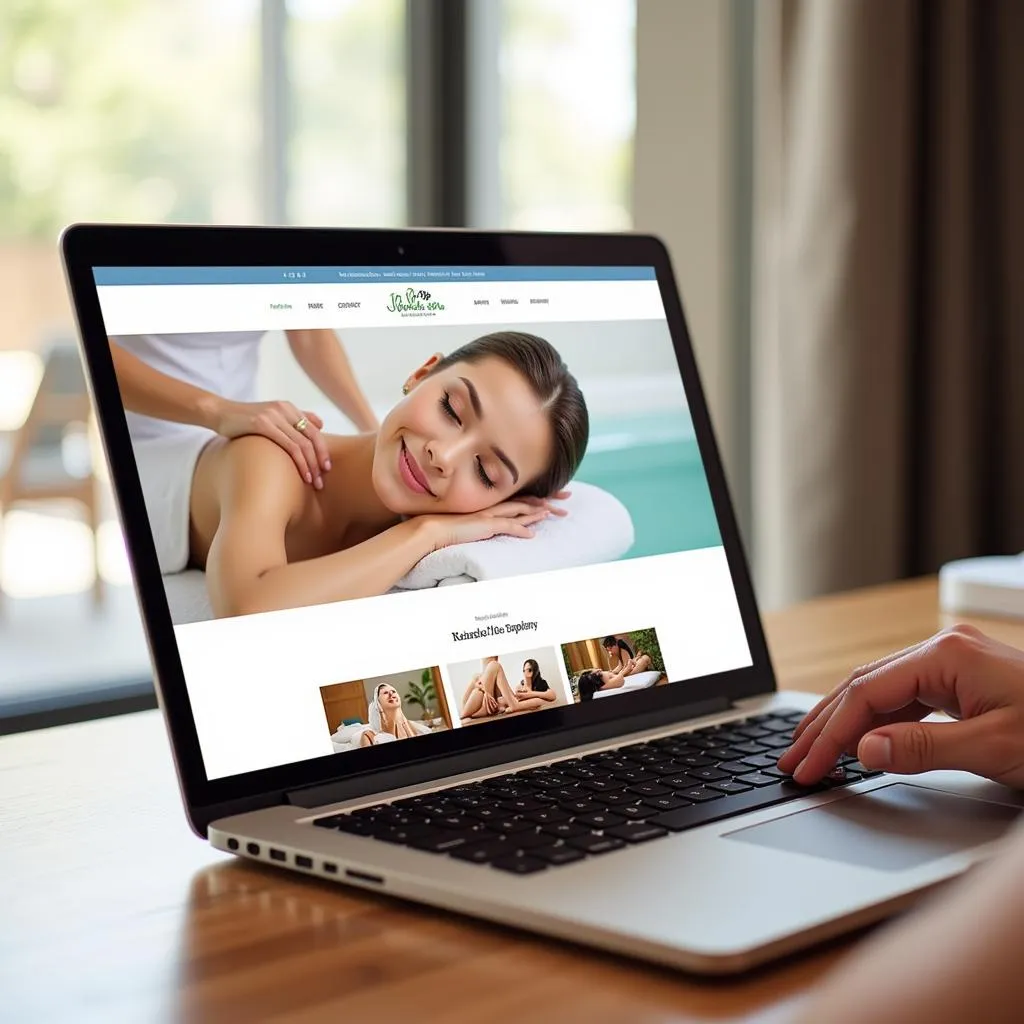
pixel 87 246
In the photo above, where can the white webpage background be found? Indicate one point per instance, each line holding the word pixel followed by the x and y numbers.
pixel 254 681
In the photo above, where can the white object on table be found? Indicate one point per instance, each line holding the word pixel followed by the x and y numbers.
pixel 983 586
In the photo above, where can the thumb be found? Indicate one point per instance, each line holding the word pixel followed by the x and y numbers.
pixel 911 747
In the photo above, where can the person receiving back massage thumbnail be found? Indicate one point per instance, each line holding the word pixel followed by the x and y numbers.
pixel 387 719
pixel 590 682
pixel 489 692
pixel 482 444
pixel 621 656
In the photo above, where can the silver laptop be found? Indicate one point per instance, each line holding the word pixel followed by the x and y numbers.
pixel 503 656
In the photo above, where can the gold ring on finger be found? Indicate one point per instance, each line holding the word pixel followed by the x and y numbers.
pixel 301 424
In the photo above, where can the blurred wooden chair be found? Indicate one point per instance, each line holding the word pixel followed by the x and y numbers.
pixel 34 462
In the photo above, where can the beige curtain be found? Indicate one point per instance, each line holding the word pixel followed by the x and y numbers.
pixel 889 316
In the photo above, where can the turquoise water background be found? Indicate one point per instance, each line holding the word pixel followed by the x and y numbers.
pixel 651 463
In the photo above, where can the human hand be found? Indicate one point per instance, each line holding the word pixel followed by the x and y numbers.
pixel 548 503
pixel 876 712
pixel 277 422
pixel 512 518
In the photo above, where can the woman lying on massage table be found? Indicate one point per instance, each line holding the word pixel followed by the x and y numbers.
pixel 489 694
pixel 594 680
pixel 622 659
pixel 482 442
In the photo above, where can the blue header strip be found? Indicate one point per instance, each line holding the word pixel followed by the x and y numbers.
pixel 365 275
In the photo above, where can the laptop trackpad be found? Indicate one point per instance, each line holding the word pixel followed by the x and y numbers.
pixel 891 829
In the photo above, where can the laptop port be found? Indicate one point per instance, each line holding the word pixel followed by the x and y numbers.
pixel 253 849
pixel 232 844
pixel 303 861
pixel 362 876
pixel 277 855
pixel 331 869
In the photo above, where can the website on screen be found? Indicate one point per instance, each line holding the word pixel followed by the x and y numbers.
pixel 389 502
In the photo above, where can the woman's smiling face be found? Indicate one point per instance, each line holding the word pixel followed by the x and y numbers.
pixel 464 439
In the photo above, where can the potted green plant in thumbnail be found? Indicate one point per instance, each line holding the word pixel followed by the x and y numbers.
pixel 423 694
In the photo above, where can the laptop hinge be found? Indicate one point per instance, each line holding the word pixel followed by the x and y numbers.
pixel 322 793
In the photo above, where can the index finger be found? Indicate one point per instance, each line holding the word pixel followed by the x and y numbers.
pixel 920 675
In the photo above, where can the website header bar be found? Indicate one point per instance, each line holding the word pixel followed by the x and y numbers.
pixel 107 276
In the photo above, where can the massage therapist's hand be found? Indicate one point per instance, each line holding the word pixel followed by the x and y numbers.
pixel 877 712
pixel 513 518
pixel 276 421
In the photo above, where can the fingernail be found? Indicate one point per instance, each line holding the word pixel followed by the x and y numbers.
pixel 327 464
pixel 799 768
pixel 875 752
pixel 309 478
pixel 319 484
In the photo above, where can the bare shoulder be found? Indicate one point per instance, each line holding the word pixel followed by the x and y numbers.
pixel 260 472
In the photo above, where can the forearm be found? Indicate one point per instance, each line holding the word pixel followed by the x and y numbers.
pixel 324 361
pixel 152 393
pixel 366 570
pixel 957 959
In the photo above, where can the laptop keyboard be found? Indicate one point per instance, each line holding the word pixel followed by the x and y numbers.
pixel 563 812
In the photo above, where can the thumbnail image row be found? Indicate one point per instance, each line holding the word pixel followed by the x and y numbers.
pixel 367 712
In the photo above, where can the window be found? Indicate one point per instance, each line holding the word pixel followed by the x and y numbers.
pixel 567 107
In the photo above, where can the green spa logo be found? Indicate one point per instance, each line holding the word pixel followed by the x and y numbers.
pixel 414 302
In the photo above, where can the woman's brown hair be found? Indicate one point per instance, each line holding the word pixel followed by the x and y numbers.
pixel 546 373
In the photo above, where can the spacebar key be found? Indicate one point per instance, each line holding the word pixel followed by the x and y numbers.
pixel 715 810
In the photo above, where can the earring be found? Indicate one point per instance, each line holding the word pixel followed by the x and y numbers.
pixel 405 389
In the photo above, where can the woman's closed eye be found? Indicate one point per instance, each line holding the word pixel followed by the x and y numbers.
pixel 449 409
pixel 482 473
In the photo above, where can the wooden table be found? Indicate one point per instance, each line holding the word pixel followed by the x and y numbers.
pixel 110 909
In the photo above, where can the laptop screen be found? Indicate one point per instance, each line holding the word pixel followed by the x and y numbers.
pixel 390 502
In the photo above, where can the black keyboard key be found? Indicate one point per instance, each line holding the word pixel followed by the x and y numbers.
pixel 634 812
pixel 665 803
pixel 753 732
pixel 442 842
pixel 475 854
pixel 698 794
pixel 404 834
pixel 757 779
pixel 694 761
pixel 519 865
pixel 702 814
pixel 331 821
pixel 652 788
pixel 842 776
pixel 761 761
pixel 777 725
pixel 608 785
pixel 708 774
pixel 775 742
pixel 353 826
pixel 509 826
pixel 750 748
pixel 637 831
pixel 547 816
pixel 597 844
pixel 634 775
pixel 777 772
pixel 565 830
pixel 558 855
pixel 614 799
pixel 451 821
pixel 581 806
pixel 600 819
pixel 729 786
pixel 868 773
pixel 723 753
pixel 734 767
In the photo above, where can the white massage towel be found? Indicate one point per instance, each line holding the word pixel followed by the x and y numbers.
pixel 597 529
pixel 166 466
pixel 640 681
